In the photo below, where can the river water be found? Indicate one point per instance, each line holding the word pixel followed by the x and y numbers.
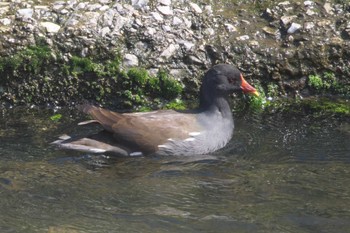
pixel 278 174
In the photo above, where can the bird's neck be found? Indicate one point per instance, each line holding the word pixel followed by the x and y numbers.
pixel 218 104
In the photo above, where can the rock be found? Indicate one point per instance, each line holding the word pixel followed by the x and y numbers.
pixel 270 31
pixel 186 44
pixel 309 25
pixel 230 28
pixel 208 9
pixel 165 2
pixel 328 8
pixel 209 31
pixel 309 3
pixel 165 10
pixel 25 13
pixel 286 20
pixel 139 4
pixel 50 27
pixel 5 21
pixel 310 12
pixel 293 28
pixel 130 60
pixel 166 28
pixel 169 51
pixel 285 3
pixel 244 37
pixel 177 21
pixel 157 16
pixel 192 59
pixel 151 31
pixel 196 9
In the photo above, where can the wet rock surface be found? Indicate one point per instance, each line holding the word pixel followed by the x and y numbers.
pixel 279 45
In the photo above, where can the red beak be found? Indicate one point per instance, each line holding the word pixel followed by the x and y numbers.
pixel 247 88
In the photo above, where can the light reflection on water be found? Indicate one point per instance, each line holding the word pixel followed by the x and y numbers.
pixel 276 175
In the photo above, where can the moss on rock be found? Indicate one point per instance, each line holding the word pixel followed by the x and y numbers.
pixel 38 75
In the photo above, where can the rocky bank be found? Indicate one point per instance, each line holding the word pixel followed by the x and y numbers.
pixel 278 46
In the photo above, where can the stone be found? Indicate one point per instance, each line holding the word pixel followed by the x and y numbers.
pixel 151 31
pixel 139 4
pixel 285 3
pixel 25 13
pixel 169 51
pixel 328 8
pixel 293 28
pixel 310 12
pixel 230 28
pixel 130 60
pixel 195 8
pixel 177 21
pixel 286 20
pixel 188 45
pixel 208 9
pixel 157 16
pixel 191 59
pixel 308 3
pixel 244 37
pixel 309 25
pixel 5 21
pixel 209 31
pixel 104 31
pixel 164 2
pixel 50 27
pixel 165 10
pixel 270 30
pixel 166 28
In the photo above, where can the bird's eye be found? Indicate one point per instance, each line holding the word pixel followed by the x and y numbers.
pixel 232 81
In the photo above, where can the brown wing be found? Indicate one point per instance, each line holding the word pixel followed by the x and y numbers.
pixel 145 130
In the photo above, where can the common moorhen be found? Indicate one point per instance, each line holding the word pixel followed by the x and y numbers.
pixel 168 132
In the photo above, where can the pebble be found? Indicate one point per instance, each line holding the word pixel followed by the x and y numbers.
pixel 130 60
pixel 139 4
pixel 169 51
pixel 196 8
pixel 230 28
pixel 270 30
pixel 5 21
pixel 309 25
pixel 328 8
pixel 165 10
pixel 208 9
pixel 244 37
pixel 288 19
pixel 25 13
pixel 177 21
pixel 187 44
pixel 308 3
pixel 166 28
pixel 164 2
pixel 310 12
pixel 50 27
pixel 157 16
pixel 285 3
pixel 293 28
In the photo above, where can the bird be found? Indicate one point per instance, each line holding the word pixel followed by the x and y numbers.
pixel 202 130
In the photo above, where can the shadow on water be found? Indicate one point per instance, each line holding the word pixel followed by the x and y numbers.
pixel 278 174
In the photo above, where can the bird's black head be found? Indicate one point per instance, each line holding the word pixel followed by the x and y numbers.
pixel 222 80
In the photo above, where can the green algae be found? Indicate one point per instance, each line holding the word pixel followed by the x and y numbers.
pixel 327 82
pixel 38 75
pixel 317 106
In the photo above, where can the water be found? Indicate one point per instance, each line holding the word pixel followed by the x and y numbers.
pixel 278 174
